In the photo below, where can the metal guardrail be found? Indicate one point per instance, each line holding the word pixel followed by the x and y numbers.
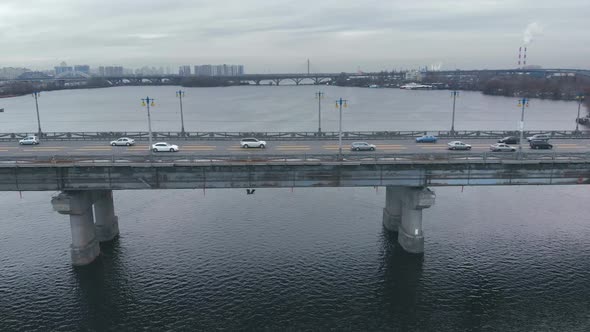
pixel 286 136
pixel 433 158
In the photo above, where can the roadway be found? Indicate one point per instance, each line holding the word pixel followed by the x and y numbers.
pixel 203 148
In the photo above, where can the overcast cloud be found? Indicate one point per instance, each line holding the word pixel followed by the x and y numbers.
pixel 280 35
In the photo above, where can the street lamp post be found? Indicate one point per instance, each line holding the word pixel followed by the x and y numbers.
pixel 339 103
pixel 580 98
pixel 524 102
pixel 319 95
pixel 180 94
pixel 36 94
pixel 147 101
pixel 454 94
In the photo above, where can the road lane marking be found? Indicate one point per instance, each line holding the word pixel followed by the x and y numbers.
pixel 569 147
pixel 45 150
pixel 93 149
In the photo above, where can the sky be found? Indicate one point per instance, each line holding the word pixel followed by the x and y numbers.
pixel 280 35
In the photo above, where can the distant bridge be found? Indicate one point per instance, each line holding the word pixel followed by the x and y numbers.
pixel 315 78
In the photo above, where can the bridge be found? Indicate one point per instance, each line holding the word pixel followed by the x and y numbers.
pixel 298 78
pixel 315 78
pixel 86 178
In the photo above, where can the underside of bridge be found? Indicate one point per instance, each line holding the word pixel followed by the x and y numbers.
pixel 402 214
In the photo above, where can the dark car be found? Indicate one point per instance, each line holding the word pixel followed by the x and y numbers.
pixel 540 144
pixel 509 140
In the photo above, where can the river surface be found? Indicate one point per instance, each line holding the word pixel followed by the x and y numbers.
pixel 496 258
pixel 282 108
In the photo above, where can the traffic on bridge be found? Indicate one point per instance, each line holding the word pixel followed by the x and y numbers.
pixel 287 147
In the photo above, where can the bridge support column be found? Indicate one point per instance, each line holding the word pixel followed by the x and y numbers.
pixel 410 235
pixel 392 211
pixel 78 205
pixel 107 223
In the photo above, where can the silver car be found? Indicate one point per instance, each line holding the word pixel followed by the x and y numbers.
pixel 458 145
pixel 502 147
pixel 126 141
pixel 538 137
pixel 29 140
pixel 358 146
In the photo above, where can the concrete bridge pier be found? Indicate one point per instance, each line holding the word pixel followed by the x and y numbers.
pixel 403 214
pixel 78 205
pixel 392 212
pixel 107 223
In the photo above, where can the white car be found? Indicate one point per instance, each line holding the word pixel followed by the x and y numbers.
pixel 29 140
pixel 252 143
pixel 123 141
pixel 164 147
pixel 458 145
pixel 502 147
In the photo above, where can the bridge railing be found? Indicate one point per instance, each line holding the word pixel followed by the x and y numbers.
pixel 402 158
pixel 287 136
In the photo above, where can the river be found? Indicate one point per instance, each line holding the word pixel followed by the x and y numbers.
pixel 496 258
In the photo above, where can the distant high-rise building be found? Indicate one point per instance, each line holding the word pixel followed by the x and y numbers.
pixel 184 70
pixel 63 68
pixel 101 71
pixel 113 71
pixel 82 69
pixel 12 73
pixel 219 70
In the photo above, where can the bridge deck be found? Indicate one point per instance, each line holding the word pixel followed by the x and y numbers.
pixel 132 172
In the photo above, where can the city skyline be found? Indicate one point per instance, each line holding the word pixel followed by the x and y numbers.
pixel 281 36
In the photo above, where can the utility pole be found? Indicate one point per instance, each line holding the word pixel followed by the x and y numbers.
pixel 319 95
pixel 454 94
pixel 524 102
pixel 339 103
pixel 36 94
pixel 307 66
pixel 180 94
pixel 147 101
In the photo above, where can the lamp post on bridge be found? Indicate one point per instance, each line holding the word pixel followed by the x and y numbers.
pixel 319 95
pixel 580 97
pixel 339 103
pixel 180 94
pixel 524 102
pixel 36 95
pixel 454 93
pixel 147 101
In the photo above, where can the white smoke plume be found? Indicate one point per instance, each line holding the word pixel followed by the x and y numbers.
pixel 532 30
pixel 436 66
